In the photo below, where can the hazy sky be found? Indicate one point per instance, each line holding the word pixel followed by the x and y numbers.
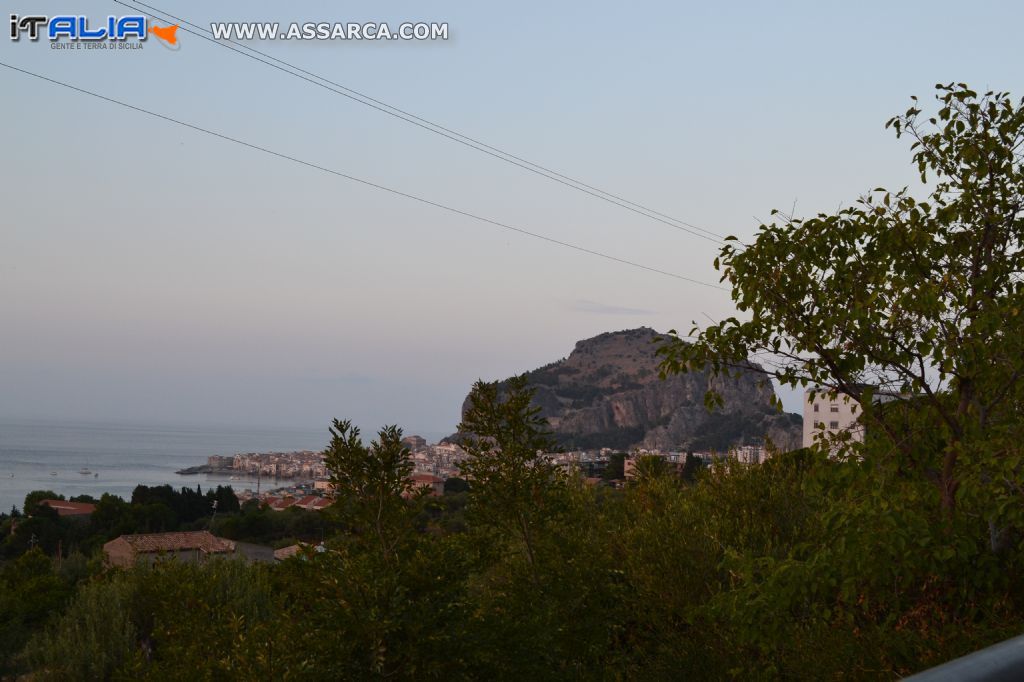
pixel 151 273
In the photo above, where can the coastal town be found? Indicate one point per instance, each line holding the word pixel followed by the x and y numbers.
pixel 260 474
pixel 300 464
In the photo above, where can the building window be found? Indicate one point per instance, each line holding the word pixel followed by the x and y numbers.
pixel 833 425
pixel 816 406
pixel 834 408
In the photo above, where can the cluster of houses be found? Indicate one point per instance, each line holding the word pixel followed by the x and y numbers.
pixel 824 415
pixel 309 502
pixel 440 460
pixel 306 464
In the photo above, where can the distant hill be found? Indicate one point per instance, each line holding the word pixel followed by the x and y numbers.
pixel 607 394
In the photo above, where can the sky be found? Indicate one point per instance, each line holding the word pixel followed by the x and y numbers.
pixel 150 273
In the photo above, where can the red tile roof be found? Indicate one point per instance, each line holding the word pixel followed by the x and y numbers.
pixel 286 552
pixel 202 540
pixel 64 508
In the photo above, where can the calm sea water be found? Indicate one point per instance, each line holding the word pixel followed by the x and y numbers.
pixel 37 455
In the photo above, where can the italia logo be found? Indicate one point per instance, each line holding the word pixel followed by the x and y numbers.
pixel 80 28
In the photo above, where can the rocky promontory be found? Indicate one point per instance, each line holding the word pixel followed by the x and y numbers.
pixel 607 393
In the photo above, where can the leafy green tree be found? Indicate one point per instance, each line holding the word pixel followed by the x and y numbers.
pixel 113 516
pixel 373 482
pixel 455 485
pixel 224 496
pixel 33 499
pixel 92 639
pixel 691 466
pixel 384 596
pixel 616 469
pixel 544 585
pixel 30 592
pixel 913 310
pixel 649 467
pixel 905 297
pixel 514 485
pixel 215 620
pixel 44 530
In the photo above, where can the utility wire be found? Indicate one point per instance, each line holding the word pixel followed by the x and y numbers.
pixel 425 124
pixel 361 181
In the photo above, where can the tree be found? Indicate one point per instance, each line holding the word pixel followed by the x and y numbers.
pixel 373 483
pixel 455 485
pixel 691 466
pixel 384 598
pixel 33 499
pixel 544 586
pixel 616 469
pixel 218 619
pixel 113 516
pixel 30 592
pixel 920 299
pixel 224 496
pixel 513 483
pixel 649 468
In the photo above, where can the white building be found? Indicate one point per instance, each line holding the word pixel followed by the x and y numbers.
pixel 824 413
pixel 750 454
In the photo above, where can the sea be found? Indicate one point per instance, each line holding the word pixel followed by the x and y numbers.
pixel 44 455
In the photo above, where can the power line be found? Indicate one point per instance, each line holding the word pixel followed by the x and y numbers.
pixel 361 181
pixel 437 129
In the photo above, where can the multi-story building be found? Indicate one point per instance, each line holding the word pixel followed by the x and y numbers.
pixel 749 454
pixel 825 413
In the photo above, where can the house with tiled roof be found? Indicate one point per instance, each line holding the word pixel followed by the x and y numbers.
pixel 190 546
pixel 435 484
pixel 65 508
pixel 287 552
pixel 280 504
pixel 306 502
pixel 320 503
pixel 297 550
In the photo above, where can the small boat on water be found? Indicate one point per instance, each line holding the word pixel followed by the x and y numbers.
pixel 53 473
pixel 84 471
pixel 95 475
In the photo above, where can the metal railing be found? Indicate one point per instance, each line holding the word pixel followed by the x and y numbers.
pixel 1003 662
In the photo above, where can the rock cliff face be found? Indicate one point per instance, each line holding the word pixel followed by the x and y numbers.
pixel 607 393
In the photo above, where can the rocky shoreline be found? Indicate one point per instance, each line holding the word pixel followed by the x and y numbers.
pixel 202 469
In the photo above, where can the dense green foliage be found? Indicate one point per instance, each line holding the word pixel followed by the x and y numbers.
pixel 786 569
pixel 911 309
pixel 900 296
pixel 151 510
pixel 260 525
